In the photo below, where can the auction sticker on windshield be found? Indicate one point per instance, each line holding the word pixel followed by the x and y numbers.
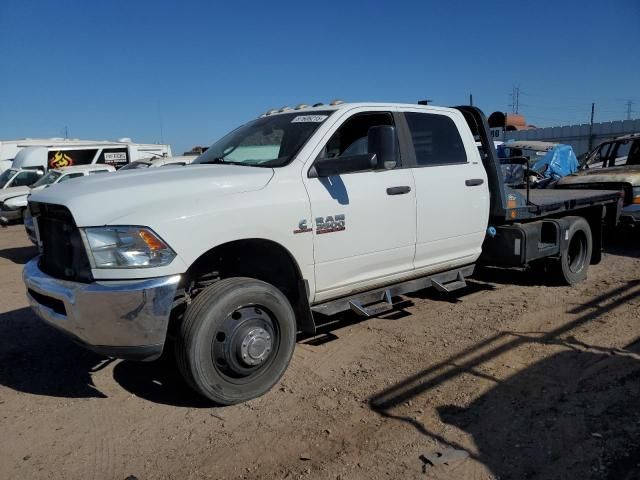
pixel 309 118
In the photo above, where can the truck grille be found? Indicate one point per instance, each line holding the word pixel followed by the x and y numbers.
pixel 63 254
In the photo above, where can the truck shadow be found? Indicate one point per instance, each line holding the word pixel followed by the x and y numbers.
pixel 19 255
pixel 39 360
pixel 36 359
pixel 624 242
pixel 158 382
pixel 573 414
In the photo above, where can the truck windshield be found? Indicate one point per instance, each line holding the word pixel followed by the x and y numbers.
pixel 270 141
pixel 6 176
pixel 48 179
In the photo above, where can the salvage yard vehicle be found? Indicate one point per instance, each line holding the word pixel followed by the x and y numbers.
pixel 297 215
pixel 16 180
pixel 13 201
pixel 613 164
pixel 58 153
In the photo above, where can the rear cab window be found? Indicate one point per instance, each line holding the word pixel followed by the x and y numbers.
pixel 435 139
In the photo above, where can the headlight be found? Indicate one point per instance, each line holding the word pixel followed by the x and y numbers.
pixel 126 247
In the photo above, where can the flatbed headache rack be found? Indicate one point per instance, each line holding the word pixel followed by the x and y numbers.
pixel 527 225
pixel 509 205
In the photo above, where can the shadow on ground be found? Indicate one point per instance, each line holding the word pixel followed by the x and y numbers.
pixel 158 382
pixel 574 414
pixel 624 242
pixel 37 359
pixel 19 255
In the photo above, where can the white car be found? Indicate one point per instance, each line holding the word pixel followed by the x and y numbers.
pixel 13 201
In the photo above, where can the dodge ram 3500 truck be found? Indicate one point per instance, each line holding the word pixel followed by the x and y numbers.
pixel 298 214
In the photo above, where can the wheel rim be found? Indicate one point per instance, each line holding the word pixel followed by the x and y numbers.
pixel 577 252
pixel 245 343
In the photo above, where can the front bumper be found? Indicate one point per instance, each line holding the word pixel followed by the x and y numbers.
pixel 11 215
pixel 121 319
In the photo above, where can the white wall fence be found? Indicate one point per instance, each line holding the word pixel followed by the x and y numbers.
pixel 577 135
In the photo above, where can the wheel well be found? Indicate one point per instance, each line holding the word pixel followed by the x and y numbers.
pixel 256 258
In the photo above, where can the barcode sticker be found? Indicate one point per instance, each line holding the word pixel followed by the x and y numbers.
pixel 309 118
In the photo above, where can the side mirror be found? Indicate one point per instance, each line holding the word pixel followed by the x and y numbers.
pixel 326 167
pixel 383 143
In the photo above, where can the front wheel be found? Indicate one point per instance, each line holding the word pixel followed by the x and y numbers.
pixel 236 340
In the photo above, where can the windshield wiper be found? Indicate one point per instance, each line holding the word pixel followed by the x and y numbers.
pixel 222 160
pixel 216 160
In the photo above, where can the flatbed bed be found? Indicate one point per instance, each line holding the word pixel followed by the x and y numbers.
pixel 544 202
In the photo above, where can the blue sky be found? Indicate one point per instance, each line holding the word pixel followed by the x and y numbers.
pixel 188 71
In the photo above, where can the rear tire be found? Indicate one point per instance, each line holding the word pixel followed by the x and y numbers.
pixel 574 260
pixel 236 340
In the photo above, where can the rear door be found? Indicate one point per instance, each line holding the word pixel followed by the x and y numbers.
pixel 363 227
pixel 452 195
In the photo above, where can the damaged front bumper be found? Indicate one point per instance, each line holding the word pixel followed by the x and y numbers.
pixel 121 319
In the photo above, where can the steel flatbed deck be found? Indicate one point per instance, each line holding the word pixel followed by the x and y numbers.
pixel 544 202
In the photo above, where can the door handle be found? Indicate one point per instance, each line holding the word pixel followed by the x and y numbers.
pixel 398 190
pixel 472 182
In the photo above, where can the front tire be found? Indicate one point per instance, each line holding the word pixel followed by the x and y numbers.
pixel 236 340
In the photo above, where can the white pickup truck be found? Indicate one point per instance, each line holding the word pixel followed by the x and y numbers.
pixel 296 215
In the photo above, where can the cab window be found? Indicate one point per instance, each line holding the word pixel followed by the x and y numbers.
pixel 352 136
pixel 436 140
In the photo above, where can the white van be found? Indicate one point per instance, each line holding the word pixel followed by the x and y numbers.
pixel 59 152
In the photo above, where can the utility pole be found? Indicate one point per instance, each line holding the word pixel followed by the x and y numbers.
pixel 629 110
pixel 593 110
pixel 515 99
pixel 471 99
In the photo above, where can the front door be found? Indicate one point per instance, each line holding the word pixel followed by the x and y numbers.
pixel 364 223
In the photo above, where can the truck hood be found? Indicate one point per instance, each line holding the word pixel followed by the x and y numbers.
pixel 629 174
pixel 12 192
pixel 102 199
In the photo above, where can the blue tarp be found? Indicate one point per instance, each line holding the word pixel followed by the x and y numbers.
pixel 560 162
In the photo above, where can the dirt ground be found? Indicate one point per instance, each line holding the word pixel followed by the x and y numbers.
pixel 508 379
